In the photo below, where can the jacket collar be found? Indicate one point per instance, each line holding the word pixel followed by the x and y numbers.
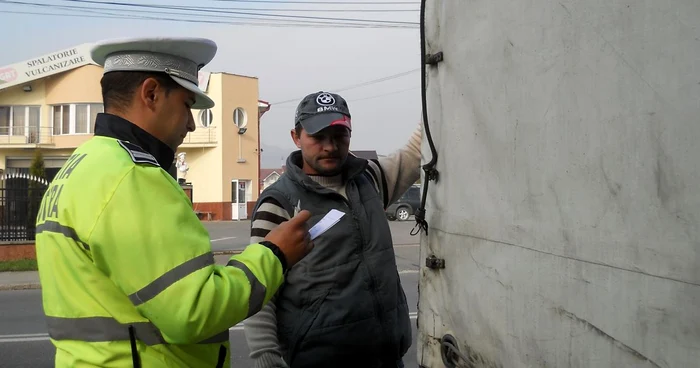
pixel 353 166
pixel 112 126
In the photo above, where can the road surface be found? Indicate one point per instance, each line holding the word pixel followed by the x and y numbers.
pixel 24 343
pixel 234 235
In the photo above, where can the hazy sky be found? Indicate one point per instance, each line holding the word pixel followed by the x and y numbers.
pixel 290 62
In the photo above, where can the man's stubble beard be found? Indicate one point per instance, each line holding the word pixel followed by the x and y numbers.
pixel 322 171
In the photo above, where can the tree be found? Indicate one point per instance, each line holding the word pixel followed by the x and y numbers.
pixel 37 168
pixel 36 190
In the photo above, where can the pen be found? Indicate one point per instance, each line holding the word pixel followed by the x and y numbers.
pixel 297 208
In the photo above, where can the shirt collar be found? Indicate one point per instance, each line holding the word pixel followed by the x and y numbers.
pixel 108 125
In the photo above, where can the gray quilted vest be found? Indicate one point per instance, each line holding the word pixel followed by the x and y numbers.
pixel 343 305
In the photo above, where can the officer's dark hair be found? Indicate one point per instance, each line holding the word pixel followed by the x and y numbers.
pixel 118 88
pixel 298 129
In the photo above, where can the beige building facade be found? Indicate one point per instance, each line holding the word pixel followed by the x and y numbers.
pixel 50 104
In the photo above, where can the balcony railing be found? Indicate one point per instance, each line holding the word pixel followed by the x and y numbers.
pixel 201 136
pixel 20 135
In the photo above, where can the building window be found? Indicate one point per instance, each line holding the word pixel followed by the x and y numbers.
pixel 61 119
pixel 75 118
pixel 81 119
pixel 206 117
pixel 5 117
pixel 94 109
pixel 20 120
pixel 240 118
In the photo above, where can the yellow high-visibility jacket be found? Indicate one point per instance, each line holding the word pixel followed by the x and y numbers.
pixel 124 261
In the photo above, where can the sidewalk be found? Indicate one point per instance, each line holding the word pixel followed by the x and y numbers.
pixel 26 280
pixel 22 280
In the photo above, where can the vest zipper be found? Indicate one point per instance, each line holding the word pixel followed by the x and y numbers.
pixel 372 281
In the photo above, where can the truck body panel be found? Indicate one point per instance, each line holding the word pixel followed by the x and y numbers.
pixel 567 208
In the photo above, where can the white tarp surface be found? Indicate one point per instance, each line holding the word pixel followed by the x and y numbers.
pixel 568 206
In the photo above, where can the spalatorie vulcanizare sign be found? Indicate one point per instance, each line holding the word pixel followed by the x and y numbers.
pixel 58 62
pixel 44 66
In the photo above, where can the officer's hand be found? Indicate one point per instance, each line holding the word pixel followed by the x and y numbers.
pixel 292 237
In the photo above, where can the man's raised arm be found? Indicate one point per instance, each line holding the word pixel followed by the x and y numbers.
pixel 396 172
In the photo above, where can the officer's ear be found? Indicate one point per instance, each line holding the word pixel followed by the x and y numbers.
pixel 148 93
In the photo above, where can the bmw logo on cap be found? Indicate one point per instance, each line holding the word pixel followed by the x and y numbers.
pixel 325 99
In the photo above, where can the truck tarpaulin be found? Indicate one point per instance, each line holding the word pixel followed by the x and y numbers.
pixel 564 227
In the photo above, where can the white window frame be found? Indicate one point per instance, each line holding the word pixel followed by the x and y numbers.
pixel 244 118
pixel 71 112
pixel 11 127
pixel 205 115
pixel 72 117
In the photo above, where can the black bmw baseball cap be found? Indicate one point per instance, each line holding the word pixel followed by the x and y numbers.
pixel 320 110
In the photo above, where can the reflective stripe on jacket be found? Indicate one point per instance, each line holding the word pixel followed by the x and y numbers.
pixel 120 251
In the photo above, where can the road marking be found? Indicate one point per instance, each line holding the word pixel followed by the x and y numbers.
pixel 220 239
pixel 407 246
pixel 45 337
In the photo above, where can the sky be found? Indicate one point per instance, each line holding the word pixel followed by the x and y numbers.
pixel 290 61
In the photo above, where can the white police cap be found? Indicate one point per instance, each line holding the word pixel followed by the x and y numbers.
pixel 181 58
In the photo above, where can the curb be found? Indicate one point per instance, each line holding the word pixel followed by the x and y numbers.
pixel 30 286
pixel 36 285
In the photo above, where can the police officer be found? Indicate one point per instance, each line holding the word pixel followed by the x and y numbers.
pixel 127 272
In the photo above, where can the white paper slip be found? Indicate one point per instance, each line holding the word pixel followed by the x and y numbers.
pixel 327 222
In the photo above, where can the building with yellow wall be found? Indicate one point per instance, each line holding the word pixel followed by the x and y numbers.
pixel 49 103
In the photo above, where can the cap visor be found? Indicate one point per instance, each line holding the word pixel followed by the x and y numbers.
pixel 316 123
pixel 202 101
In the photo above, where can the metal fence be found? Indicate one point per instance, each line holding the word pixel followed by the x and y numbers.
pixel 20 198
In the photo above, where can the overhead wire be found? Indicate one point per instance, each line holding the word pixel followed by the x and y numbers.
pixel 290 20
pixel 106 15
pixel 152 6
pixel 363 84
pixel 323 2
pixel 317 10
pixel 137 15
pixel 314 9
pixel 351 100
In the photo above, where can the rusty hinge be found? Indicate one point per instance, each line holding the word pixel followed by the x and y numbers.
pixel 434 263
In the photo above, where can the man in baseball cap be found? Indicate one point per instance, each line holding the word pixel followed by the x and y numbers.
pixel 343 305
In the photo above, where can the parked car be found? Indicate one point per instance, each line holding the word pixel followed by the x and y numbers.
pixel 406 206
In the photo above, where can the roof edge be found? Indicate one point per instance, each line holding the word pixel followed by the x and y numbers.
pixel 236 75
